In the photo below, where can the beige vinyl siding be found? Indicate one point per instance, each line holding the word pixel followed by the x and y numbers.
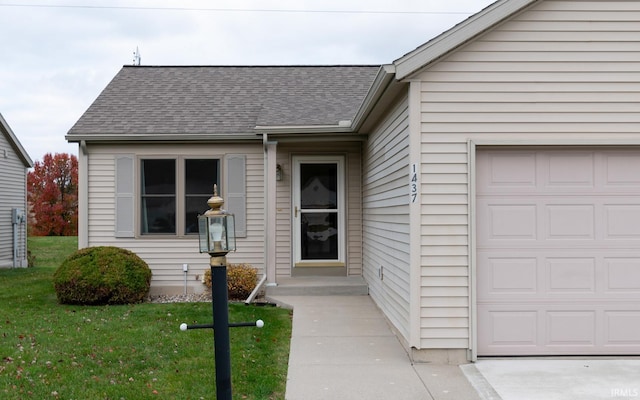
pixel 444 315
pixel 353 183
pixel 386 216
pixel 559 71
pixel 166 255
pixel 13 182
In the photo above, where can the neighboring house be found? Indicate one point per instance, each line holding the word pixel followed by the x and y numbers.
pixel 15 163
pixel 486 185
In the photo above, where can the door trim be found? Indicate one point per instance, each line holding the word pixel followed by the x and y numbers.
pixel 295 230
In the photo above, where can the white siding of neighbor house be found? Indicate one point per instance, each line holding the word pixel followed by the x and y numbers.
pixel 386 216
pixel 560 72
pixel 166 255
pixel 353 183
pixel 13 187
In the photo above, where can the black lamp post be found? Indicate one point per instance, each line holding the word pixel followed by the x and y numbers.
pixel 217 237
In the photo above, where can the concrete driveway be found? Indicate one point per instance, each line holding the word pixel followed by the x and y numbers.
pixel 555 379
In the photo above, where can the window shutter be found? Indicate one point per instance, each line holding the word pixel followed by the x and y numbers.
pixel 124 196
pixel 236 190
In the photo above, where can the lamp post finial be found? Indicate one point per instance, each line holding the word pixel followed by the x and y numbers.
pixel 215 202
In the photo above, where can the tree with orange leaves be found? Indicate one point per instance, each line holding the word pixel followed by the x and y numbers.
pixel 52 193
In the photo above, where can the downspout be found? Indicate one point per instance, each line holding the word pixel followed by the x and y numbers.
pixel 269 276
pixel 265 171
pixel 15 239
pixel 255 292
pixel 83 196
pixel 263 280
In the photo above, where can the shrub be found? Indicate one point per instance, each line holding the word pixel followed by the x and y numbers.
pixel 241 280
pixel 102 275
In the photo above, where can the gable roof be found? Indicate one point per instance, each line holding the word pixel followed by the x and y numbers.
pixel 15 143
pixel 390 77
pixel 457 36
pixel 181 101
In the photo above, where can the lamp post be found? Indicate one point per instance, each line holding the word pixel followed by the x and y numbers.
pixel 217 237
pixel 216 231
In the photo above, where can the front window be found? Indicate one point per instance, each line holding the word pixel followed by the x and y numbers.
pixel 170 205
pixel 200 175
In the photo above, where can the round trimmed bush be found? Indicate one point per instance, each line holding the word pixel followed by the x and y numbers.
pixel 102 275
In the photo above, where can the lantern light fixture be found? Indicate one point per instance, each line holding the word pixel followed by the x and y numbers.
pixel 216 228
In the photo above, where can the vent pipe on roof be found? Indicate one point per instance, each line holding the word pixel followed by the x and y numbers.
pixel 136 57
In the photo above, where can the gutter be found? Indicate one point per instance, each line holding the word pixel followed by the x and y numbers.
pixel 159 137
pixel 341 127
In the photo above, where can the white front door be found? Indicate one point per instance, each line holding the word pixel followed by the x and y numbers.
pixel 318 211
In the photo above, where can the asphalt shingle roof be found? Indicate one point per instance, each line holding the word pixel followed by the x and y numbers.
pixel 224 99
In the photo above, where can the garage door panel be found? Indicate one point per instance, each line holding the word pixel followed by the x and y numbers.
pixel 534 221
pixel 622 221
pixel 508 328
pixel 621 170
pixel 622 275
pixel 562 169
pixel 558 252
pixel 622 328
pixel 570 221
pixel 518 329
pixel 513 171
pixel 570 275
pixel 518 273
pixel 514 274
pixel 508 221
pixel 558 171
pixel 507 276
pixel 571 328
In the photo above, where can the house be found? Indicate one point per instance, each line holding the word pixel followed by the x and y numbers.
pixel 13 201
pixel 485 184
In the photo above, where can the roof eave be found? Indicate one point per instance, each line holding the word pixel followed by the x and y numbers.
pixel 457 36
pixel 190 137
pixel 383 80
pixel 15 143
pixel 342 127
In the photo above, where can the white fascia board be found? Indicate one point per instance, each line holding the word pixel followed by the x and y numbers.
pixel 13 140
pixel 385 76
pixel 192 137
pixel 458 35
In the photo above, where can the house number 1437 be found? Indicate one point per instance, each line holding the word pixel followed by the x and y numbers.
pixel 413 184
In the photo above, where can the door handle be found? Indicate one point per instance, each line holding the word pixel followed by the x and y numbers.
pixel 295 214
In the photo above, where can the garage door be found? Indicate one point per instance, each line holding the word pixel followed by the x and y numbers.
pixel 558 251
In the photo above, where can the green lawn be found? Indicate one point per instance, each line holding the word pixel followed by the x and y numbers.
pixel 53 351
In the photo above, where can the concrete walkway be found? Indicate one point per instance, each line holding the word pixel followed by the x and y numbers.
pixel 342 348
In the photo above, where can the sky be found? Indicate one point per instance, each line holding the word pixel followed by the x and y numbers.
pixel 58 55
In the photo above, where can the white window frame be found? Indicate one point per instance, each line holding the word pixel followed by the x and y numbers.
pixel 180 169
